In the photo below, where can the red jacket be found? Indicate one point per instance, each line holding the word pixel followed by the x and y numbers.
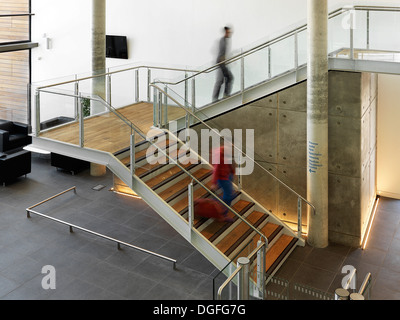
pixel 222 170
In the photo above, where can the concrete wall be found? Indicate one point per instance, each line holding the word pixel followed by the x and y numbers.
pixel 279 122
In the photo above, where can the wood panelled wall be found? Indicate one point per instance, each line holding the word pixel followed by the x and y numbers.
pixel 14 66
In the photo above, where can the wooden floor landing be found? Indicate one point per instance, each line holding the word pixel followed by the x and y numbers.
pixel 107 132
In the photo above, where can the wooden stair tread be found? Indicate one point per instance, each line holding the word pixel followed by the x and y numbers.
pixel 172 172
pixel 269 230
pixel 213 230
pixel 148 167
pixel 182 184
pixel 241 232
pixel 276 250
pixel 198 193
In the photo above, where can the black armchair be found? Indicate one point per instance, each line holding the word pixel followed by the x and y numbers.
pixel 13 135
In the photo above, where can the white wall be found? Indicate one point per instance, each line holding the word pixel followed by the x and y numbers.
pixel 170 32
pixel 388 131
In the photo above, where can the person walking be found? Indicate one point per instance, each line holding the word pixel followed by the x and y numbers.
pixel 224 75
pixel 223 175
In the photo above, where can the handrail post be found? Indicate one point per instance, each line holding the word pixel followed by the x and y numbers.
pixel 239 176
pixel 109 89
pixel 368 30
pixel 166 108
pixel 299 218
pixel 81 123
pixel 132 153
pixel 76 92
pixel 261 268
pixel 242 75
pixel 269 62
pixel 155 106
pixel 37 113
pixel 243 278
pixel 186 90
pixel 190 209
pixel 137 85
pixel 352 12
pixel 193 95
pixel 148 83
pixel 160 109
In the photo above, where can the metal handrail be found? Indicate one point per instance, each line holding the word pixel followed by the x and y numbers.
pixel 227 281
pixel 365 283
pixel 71 226
pixel 254 161
pixel 176 162
pixel 114 72
pixel 230 278
pixel 231 59
pixel 282 37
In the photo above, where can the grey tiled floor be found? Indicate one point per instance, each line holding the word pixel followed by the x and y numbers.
pixel 322 268
pixel 88 267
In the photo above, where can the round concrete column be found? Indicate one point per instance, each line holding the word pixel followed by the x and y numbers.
pixel 98 52
pixel 317 122
pixel 98 65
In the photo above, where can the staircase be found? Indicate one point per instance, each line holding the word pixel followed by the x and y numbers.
pixel 226 239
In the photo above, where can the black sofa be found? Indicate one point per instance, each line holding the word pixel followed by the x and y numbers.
pixel 13 164
pixel 13 135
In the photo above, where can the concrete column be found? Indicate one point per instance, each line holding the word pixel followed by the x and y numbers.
pixel 98 51
pixel 317 122
pixel 98 65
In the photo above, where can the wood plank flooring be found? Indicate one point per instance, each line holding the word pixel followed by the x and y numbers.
pixel 109 133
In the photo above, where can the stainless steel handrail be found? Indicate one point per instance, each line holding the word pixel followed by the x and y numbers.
pixel 365 283
pixel 227 281
pixel 282 37
pixel 254 161
pixel 230 278
pixel 114 72
pixel 176 162
pixel 71 226
pixel 231 59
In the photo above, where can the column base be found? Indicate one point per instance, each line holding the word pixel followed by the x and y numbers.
pixel 97 170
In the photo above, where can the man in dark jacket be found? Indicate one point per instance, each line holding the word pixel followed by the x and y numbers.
pixel 224 75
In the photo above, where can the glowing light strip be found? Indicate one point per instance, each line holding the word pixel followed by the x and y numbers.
pixel 127 194
pixel 370 225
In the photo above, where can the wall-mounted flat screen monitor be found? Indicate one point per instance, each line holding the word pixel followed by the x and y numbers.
pixel 116 47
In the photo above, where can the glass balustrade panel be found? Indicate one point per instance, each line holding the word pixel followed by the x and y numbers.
pixel 58 116
pixel 282 56
pixel 339 35
pixel 106 130
pixel 383 44
pixel 302 45
pixel 256 67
